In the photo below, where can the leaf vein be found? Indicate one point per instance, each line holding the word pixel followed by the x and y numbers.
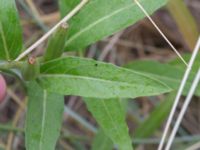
pixel 98 21
pixel 4 42
pixel 43 119
pixel 113 122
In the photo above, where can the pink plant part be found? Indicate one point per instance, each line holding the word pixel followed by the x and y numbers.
pixel 2 88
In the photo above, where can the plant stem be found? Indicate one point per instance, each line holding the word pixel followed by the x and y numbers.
pixel 10 128
pixel 180 90
pixel 183 110
pixel 9 65
pixel 50 32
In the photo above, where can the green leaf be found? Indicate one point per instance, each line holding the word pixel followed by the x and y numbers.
pixel 156 118
pixel 111 117
pixel 90 78
pixel 44 117
pixel 166 73
pixel 66 6
pixel 56 44
pixel 101 18
pixel 177 63
pixel 10 31
pixel 102 142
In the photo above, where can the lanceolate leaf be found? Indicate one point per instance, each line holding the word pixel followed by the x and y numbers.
pixel 102 142
pixel 10 30
pixel 101 18
pixel 111 117
pixel 90 78
pixel 44 117
pixel 166 73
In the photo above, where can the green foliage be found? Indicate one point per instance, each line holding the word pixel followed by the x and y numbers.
pixel 168 74
pixel 102 142
pixel 90 78
pixel 178 64
pixel 101 18
pixel 111 117
pixel 44 117
pixel 31 71
pixel 56 44
pixel 10 31
pixel 67 5
pixel 79 76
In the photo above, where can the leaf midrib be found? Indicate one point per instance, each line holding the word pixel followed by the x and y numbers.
pixel 4 42
pixel 110 116
pixel 43 119
pixel 97 21
pixel 143 74
pixel 92 78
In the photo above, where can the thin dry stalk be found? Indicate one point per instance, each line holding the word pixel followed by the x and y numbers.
pixel 15 98
pixel 161 33
pixel 110 45
pixel 50 32
pixel 14 124
pixel 183 110
pixel 183 82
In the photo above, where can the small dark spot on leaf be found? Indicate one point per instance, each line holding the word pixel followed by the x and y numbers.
pixel 96 65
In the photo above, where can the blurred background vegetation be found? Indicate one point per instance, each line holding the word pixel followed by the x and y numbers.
pixel 179 20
